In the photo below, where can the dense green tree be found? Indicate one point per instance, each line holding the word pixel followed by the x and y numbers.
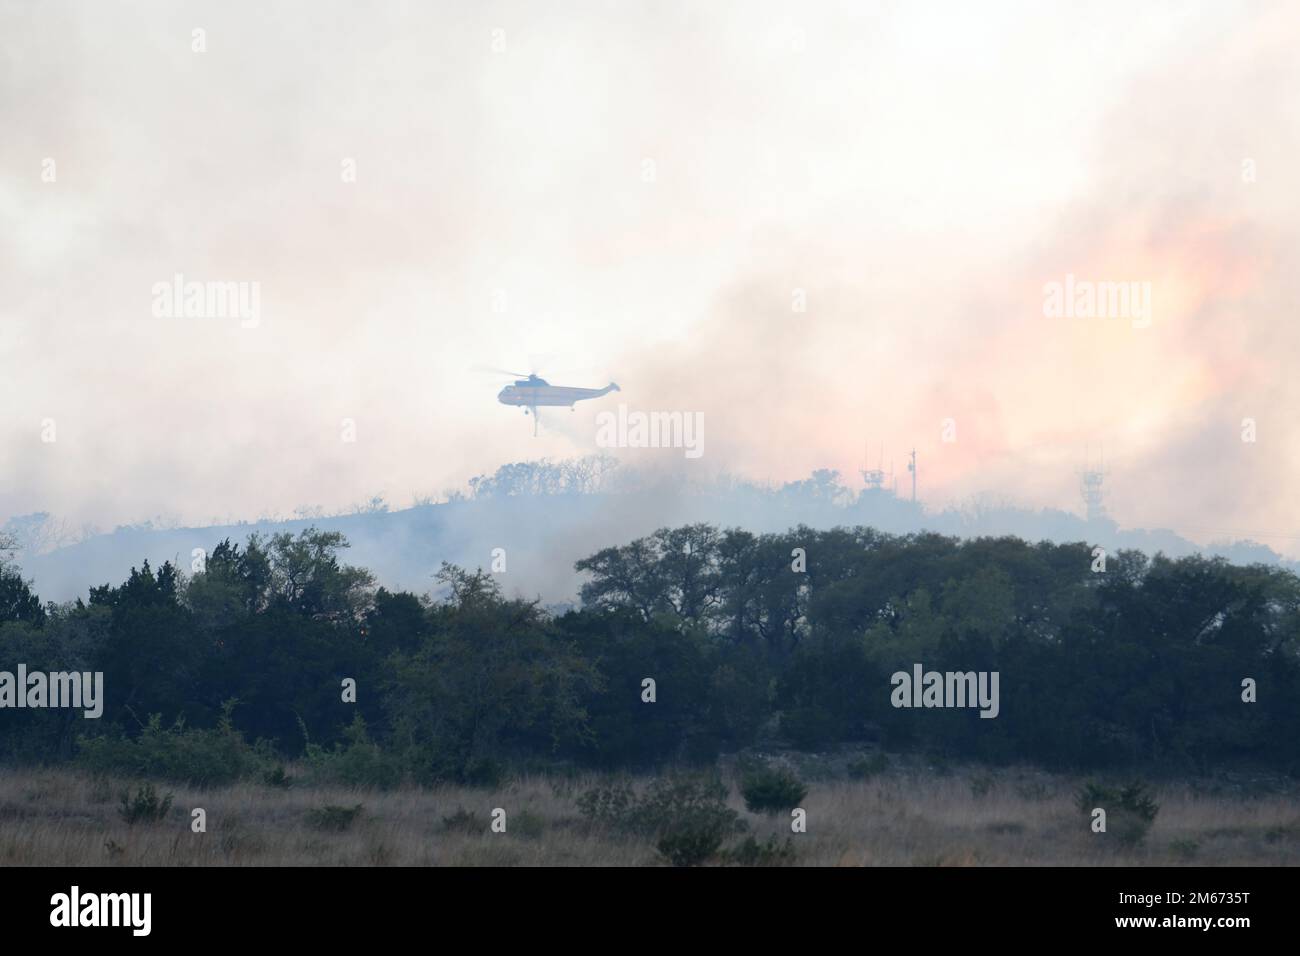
pixel 17 602
pixel 493 681
pixel 786 638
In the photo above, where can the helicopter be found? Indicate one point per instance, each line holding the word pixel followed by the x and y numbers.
pixel 532 391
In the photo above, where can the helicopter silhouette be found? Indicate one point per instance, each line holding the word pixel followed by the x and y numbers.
pixel 532 392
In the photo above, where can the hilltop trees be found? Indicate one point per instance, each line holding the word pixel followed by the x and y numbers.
pixel 579 476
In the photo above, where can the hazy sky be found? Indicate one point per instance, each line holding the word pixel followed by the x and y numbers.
pixel 642 192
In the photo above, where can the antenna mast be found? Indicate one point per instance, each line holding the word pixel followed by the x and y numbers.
pixel 874 478
pixel 1090 487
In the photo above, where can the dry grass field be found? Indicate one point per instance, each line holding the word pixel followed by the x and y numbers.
pixel 902 817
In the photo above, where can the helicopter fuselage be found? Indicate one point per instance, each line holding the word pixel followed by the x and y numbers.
pixel 542 396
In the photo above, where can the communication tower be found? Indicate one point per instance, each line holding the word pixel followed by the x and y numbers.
pixel 874 478
pixel 1094 497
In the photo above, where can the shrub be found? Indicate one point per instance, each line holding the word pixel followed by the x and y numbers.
pixel 697 800
pixel 688 817
pixel 198 757
pixel 1130 809
pixel 1133 798
pixel 144 806
pixel 690 811
pixel 464 821
pixel 752 853
pixel 277 778
pixel 359 762
pixel 1129 830
pixel 608 806
pixel 771 789
pixel 333 817
pixel 690 842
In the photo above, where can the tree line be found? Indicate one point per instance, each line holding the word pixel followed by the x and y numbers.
pixel 748 639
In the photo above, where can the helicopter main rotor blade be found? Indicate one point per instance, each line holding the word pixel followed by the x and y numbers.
pixel 499 371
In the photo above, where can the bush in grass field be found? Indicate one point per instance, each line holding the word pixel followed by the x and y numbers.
pixel 691 842
pixel 771 789
pixel 198 757
pixel 144 806
pixel 700 802
pixel 687 817
pixel 665 803
pixel 464 821
pixel 610 806
pixel 1130 809
pixel 277 778
pixel 359 762
pixel 752 853
pixel 333 817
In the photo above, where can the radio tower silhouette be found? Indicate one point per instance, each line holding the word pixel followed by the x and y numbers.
pixel 1090 487
pixel 874 478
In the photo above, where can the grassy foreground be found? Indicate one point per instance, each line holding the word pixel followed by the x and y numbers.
pixel 919 816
